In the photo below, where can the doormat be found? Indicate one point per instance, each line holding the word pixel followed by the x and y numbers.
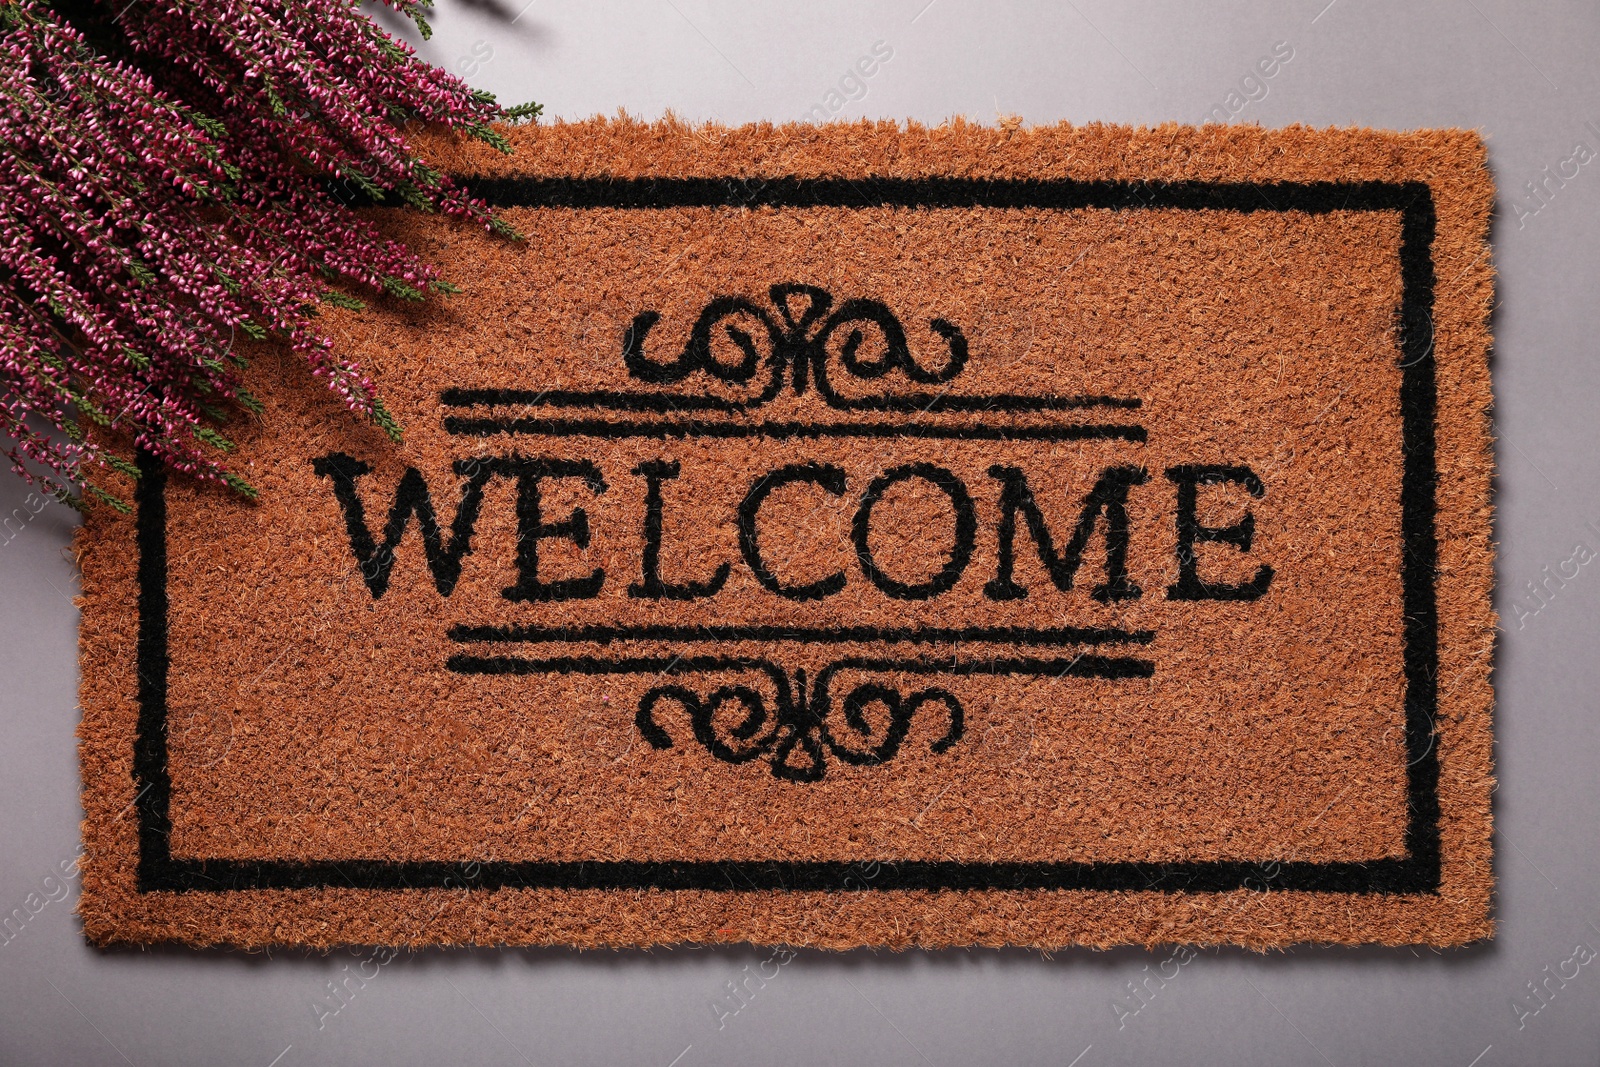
pixel 856 535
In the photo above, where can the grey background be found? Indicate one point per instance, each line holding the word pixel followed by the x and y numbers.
pixel 1524 74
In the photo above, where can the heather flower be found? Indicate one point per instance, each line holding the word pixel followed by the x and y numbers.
pixel 168 172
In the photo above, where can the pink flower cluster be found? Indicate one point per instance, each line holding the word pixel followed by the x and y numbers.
pixel 144 226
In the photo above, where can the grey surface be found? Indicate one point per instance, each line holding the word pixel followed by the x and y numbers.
pixel 1523 74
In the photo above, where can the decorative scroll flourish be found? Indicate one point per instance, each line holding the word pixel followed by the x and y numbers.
pixel 742 354
pixel 794 729
pixel 735 338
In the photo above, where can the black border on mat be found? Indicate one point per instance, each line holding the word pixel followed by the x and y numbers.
pixel 1417 872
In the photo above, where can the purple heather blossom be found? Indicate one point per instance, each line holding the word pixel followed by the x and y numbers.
pixel 146 220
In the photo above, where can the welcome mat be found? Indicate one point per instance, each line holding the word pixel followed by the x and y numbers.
pixel 845 535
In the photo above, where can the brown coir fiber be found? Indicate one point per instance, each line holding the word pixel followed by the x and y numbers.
pixel 836 536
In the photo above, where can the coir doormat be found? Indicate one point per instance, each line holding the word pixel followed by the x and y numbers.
pixel 855 535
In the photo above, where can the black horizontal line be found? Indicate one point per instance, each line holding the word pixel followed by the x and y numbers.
pixel 1014 635
pixel 1385 875
pixel 784 431
pixel 1077 667
pixel 940 192
pixel 667 402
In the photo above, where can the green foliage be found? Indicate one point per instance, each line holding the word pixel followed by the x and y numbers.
pixel 247 400
pixel 501 228
pixel 396 287
pixel 523 112
pixel 116 503
pixel 214 439
pixel 343 300
pixel 385 421
pixel 240 486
